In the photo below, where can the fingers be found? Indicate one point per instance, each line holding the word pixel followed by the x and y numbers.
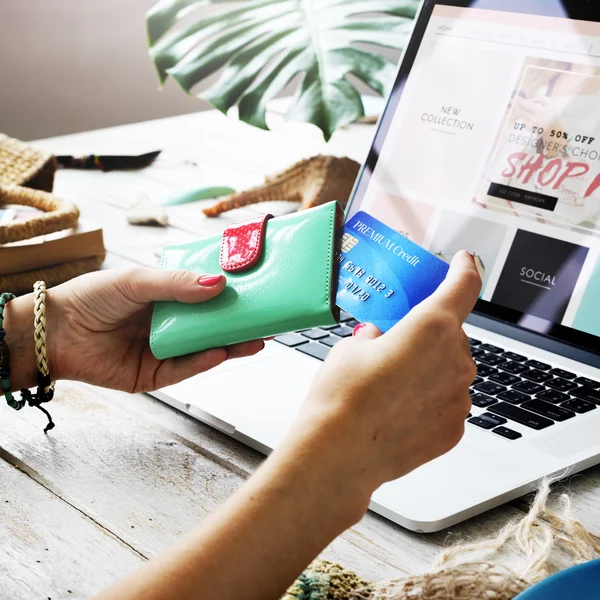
pixel 174 370
pixel 366 331
pixel 459 292
pixel 149 285
pixel 245 349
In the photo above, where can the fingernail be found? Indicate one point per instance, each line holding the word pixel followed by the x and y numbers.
pixel 358 328
pixel 209 280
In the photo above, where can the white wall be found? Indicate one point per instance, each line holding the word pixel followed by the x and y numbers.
pixel 74 65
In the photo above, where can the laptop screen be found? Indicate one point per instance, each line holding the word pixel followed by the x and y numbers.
pixel 491 142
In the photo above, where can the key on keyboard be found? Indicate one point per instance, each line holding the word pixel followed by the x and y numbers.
pixel 524 417
pixel 491 348
pixel 587 382
pixel 556 413
pixel 536 364
pixel 579 406
pixel 485 370
pixel 509 434
pixel 513 396
pixel 560 384
pixel 552 396
pixel 487 421
pixel 562 373
pixel 483 401
pixel 331 340
pixel 291 339
pixel 491 359
pixel 504 378
pixel 528 387
pixel 342 331
pixel 536 375
pixel 586 393
pixel 489 387
pixel 314 349
pixel 315 334
pixel 514 367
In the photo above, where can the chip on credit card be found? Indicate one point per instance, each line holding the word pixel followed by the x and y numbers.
pixel 382 274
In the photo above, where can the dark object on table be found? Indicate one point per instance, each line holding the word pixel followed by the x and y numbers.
pixel 99 162
pixel 312 182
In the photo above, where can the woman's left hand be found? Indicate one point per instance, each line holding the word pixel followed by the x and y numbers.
pixel 99 324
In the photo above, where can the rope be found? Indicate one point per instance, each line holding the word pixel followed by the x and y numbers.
pixel 39 330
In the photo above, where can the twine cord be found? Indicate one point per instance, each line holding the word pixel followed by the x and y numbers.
pixel 547 539
pixel 39 331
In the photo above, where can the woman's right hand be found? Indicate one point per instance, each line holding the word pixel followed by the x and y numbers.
pixel 383 405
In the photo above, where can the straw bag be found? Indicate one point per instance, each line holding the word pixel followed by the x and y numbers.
pixel 26 179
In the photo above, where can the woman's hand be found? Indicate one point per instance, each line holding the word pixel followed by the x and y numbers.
pixel 99 325
pixel 380 407
pixel 384 405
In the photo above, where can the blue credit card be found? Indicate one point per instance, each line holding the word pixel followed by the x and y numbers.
pixel 382 274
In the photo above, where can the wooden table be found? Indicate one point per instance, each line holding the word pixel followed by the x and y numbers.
pixel 122 476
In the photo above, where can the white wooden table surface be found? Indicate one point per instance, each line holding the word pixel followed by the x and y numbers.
pixel 123 475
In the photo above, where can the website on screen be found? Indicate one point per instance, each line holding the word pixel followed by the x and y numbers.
pixel 495 148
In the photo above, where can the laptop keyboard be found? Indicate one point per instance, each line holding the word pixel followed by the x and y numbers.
pixel 513 387
pixel 510 387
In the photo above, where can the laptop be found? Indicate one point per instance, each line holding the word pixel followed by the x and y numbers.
pixel 490 141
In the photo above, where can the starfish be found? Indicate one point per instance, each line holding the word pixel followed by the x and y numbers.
pixel 312 181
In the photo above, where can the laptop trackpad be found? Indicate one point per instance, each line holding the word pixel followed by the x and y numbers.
pixel 570 439
pixel 259 396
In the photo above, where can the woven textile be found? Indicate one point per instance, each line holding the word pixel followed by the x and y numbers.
pixel 21 164
pixel 26 179
pixel 547 539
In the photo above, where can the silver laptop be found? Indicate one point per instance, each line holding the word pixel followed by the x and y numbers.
pixel 490 142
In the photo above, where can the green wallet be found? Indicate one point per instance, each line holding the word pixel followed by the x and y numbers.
pixel 280 278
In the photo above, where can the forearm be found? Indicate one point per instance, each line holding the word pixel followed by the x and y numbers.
pixel 18 323
pixel 263 537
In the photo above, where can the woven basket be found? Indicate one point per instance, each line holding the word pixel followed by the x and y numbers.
pixel 21 164
pixel 26 178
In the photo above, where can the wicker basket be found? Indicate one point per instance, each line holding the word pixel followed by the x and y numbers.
pixel 21 164
pixel 26 179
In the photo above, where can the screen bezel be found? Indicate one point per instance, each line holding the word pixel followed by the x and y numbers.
pixel 586 347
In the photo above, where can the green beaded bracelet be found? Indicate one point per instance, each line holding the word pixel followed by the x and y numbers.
pixel 5 358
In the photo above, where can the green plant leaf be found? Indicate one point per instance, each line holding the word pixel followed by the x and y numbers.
pixel 260 46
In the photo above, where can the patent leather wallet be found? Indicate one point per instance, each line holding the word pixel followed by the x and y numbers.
pixel 280 278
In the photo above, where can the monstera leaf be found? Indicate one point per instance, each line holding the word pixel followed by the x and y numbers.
pixel 262 45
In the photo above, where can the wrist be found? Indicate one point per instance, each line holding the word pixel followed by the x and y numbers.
pixel 317 452
pixel 56 318
pixel 18 323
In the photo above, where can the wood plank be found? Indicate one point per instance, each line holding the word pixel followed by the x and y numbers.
pixel 148 479
pixel 49 549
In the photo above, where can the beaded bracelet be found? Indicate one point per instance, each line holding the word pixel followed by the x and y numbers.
pixel 45 389
pixel 5 358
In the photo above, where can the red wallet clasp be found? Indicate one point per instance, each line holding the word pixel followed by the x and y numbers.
pixel 242 244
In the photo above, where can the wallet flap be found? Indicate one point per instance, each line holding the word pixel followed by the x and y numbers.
pixel 242 244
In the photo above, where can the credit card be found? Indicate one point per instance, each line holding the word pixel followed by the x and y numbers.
pixel 382 274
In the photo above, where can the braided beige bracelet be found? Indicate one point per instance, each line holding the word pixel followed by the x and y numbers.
pixel 39 329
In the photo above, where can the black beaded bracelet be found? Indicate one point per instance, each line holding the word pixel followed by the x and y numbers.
pixel 44 392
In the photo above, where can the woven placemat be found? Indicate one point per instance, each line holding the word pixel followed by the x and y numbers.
pixel 21 164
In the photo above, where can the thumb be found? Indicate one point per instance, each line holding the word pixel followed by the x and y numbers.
pixel 459 292
pixel 366 331
pixel 150 285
